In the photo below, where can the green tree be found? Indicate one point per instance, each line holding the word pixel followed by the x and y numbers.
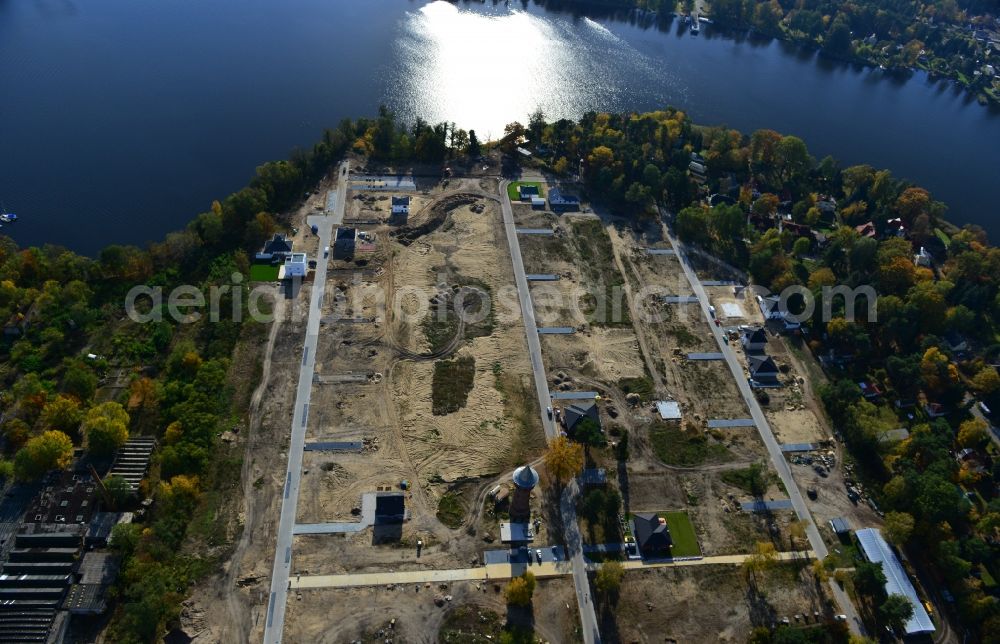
pixel 63 413
pixel 119 490
pixel 895 611
pixel 898 527
pixel 48 451
pixel 869 580
pixel 105 428
pixel 473 144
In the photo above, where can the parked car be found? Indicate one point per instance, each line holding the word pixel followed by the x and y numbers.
pixel 538 555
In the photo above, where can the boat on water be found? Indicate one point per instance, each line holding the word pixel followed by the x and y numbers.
pixel 7 217
pixel 695 28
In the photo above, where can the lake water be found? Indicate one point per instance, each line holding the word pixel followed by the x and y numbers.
pixel 122 119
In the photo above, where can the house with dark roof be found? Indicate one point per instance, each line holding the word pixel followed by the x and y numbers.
pixel 574 414
pixel 651 534
pixel 866 229
pixel 763 371
pixel 754 339
pixel 275 249
pixel 390 507
pixel 345 243
pixel 526 192
pixel 771 309
pixel 558 202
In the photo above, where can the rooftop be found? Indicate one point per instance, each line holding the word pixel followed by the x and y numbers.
pixel 876 550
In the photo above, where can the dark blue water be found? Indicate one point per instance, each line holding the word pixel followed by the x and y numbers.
pixel 122 119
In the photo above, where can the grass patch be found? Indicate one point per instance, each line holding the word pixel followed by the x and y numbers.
pixel 521 406
pixel 515 196
pixel 675 446
pixel 596 262
pixel 451 384
pixel 263 273
pixel 683 335
pixel 943 236
pixel 752 480
pixel 450 510
pixel 685 542
pixel 642 386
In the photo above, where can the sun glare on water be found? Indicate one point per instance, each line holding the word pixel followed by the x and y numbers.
pixel 483 71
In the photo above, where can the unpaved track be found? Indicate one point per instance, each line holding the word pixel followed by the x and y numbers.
pixel 235 622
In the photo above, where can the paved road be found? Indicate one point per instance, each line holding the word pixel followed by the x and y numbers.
pixel 274 625
pixel 585 601
pixel 773 448
pixel 506 571
pixel 527 314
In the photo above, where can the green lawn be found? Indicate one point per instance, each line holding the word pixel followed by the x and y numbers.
pixel 512 189
pixel 451 384
pixel 685 543
pixel 263 273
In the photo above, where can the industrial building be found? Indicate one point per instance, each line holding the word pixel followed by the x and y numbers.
pixel 897 582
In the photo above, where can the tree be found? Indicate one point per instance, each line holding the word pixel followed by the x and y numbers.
pixel 473 144
pixel 80 381
pixel 898 527
pixel 105 428
pixel 588 431
pixel 63 414
pixel 49 451
pixel 801 247
pixel 763 558
pixel 869 580
pixel 895 611
pixel 608 579
pixel 17 432
pixel 520 589
pixel 564 459
pixel 973 433
pixel 119 490
pixel 987 381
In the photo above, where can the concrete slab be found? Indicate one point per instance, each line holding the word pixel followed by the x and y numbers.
pixel 573 395
pixel 731 422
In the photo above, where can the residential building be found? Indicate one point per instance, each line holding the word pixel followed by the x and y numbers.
pixel 526 192
pixel 771 309
pixel 651 534
pixel 295 266
pixel 923 259
pixel 866 229
pixel 754 339
pixel 275 250
pixel 345 243
pixel 574 414
pixel 763 371
pixel 400 211
pixel 559 202
pixel 390 507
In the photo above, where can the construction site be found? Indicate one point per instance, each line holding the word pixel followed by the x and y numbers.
pixel 416 416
